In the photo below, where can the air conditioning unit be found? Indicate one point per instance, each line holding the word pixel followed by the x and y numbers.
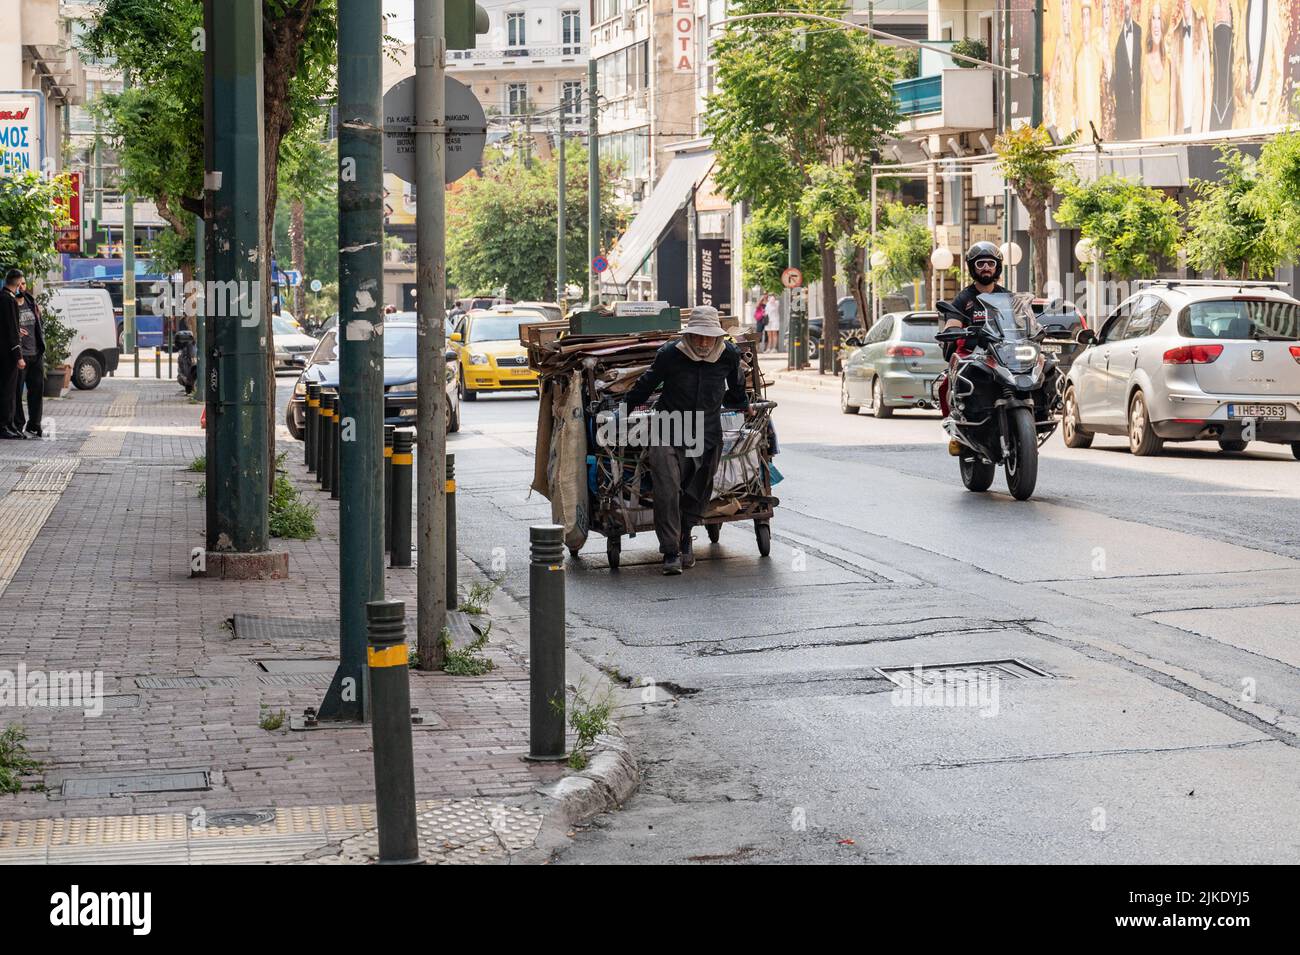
pixel 629 19
pixel 638 189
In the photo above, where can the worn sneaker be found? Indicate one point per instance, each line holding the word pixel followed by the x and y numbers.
pixel 672 565
pixel 688 554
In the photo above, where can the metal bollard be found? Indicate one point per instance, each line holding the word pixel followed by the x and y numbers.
pixel 403 471
pixel 336 447
pixel 388 486
pixel 453 596
pixel 325 453
pixel 157 361
pixel 390 708
pixel 311 412
pixel 546 703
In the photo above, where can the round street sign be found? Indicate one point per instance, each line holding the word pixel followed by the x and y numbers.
pixel 599 264
pixel 792 278
pixel 316 285
pixel 466 129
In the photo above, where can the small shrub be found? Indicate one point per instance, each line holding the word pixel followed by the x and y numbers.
pixel 15 761
pixel 480 594
pixel 272 721
pixel 291 517
pixel 199 464
pixel 467 661
pixel 589 719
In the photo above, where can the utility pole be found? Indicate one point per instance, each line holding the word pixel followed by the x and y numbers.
pixel 796 347
pixel 361 350
pixel 431 303
pixel 235 200
pixel 1037 117
pixel 593 186
pixel 528 134
pixel 561 225
pixel 200 305
pixel 128 264
pixel 93 245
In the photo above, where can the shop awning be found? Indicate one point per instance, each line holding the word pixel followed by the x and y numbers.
pixel 684 175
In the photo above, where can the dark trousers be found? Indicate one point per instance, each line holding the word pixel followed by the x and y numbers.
pixel 8 390
pixel 683 487
pixel 33 376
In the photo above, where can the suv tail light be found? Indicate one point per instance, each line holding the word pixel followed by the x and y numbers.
pixel 1193 354
pixel 1295 353
pixel 904 351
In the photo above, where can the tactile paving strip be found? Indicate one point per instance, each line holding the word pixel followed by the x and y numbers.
pixel 25 509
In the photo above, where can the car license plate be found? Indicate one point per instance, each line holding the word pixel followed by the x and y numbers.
pixel 1052 349
pixel 521 372
pixel 1257 411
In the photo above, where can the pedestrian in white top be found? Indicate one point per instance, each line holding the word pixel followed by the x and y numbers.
pixel 773 322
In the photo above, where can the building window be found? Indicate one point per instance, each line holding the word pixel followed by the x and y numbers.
pixel 608 9
pixel 516 99
pixel 625 71
pixel 571 96
pixel 571 27
pixel 515 29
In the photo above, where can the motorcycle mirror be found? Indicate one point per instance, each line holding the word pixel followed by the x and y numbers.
pixel 949 310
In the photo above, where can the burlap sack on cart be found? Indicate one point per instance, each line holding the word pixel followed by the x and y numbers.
pixel 566 465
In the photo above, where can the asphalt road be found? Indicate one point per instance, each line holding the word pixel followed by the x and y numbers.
pixel 1152 714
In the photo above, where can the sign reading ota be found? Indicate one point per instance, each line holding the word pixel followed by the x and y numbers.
pixel 792 278
pixel 684 36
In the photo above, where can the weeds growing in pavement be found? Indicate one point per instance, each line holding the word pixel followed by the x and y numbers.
pixel 291 517
pixel 203 489
pixel 588 718
pixel 15 761
pixel 272 721
pixel 480 594
pixel 199 464
pixel 413 653
pixel 467 661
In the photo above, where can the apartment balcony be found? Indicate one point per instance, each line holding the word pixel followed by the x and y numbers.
pixel 953 100
pixel 518 57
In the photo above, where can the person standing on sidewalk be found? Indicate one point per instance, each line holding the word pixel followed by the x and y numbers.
pixel 31 335
pixel 699 372
pixel 11 357
pixel 774 323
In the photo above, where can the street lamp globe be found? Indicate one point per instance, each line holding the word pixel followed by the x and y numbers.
pixel 1085 251
pixel 879 260
pixel 1010 253
pixel 941 258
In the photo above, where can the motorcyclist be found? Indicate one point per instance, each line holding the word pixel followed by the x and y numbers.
pixel 984 262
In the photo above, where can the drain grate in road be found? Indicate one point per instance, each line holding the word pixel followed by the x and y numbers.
pixel 320 679
pixel 277 629
pixel 298 666
pixel 184 682
pixel 966 672
pixel 121 701
pixel 238 818
pixel 181 780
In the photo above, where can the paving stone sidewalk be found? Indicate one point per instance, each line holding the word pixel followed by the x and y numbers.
pixel 103 584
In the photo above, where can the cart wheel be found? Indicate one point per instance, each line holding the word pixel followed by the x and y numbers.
pixel 613 547
pixel 715 531
pixel 763 531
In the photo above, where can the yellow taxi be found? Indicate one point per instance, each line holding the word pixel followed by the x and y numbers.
pixel 491 359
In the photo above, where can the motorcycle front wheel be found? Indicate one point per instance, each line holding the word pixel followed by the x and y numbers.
pixel 977 475
pixel 1022 462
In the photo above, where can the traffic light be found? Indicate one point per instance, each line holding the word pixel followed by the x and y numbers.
pixel 465 19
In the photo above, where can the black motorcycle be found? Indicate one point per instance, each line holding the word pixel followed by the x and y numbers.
pixel 1002 405
pixel 187 362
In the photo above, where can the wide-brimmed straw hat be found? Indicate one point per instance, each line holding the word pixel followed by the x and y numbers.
pixel 704 321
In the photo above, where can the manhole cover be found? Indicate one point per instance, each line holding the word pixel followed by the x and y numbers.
pixel 322 678
pixel 298 666
pixel 239 818
pixel 184 682
pixel 277 629
pixel 181 780
pixel 121 701
pixel 970 671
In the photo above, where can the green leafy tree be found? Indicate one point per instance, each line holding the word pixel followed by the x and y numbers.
pixel 906 242
pixel 1226 234
pixel 1134 227
pixel 32 210
pixel 307 177
pixel 791 99
pixel 1275 195
pixel 766 249
pixel 1031 166
pixel 501 226
pixel 832 205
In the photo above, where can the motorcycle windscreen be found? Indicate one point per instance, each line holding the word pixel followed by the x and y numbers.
pixel 1010 313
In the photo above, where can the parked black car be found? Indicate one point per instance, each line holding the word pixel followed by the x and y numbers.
pixel 1063 322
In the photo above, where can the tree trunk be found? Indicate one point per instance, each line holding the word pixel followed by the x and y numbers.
pixel 298 243
pixel 830 312
pixel 857 268
pixel 1038 239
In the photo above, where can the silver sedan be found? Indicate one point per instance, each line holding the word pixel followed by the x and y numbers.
pixel 896 367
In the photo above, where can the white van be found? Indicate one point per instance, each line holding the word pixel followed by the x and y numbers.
pixel 88 313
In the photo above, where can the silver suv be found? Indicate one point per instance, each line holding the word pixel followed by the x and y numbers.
pixel 1190 361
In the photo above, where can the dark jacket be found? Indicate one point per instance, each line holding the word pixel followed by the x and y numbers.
pixel 1126 83
pixel 968 303
pixel 26 299
pixel 694 385
pixel 10 347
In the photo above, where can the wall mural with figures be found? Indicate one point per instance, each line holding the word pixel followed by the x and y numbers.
pixel 1142 69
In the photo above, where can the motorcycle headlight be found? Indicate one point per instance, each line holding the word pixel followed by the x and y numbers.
pixel 478 359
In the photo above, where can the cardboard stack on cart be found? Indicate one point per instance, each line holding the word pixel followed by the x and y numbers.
pixel 586 365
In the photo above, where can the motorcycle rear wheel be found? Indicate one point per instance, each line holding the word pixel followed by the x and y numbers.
pixel 977 475
pixel 1022 464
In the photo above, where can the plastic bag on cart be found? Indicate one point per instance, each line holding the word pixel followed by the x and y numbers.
pixel 566 466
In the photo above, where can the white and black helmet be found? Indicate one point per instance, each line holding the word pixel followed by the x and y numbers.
pixel 984 250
